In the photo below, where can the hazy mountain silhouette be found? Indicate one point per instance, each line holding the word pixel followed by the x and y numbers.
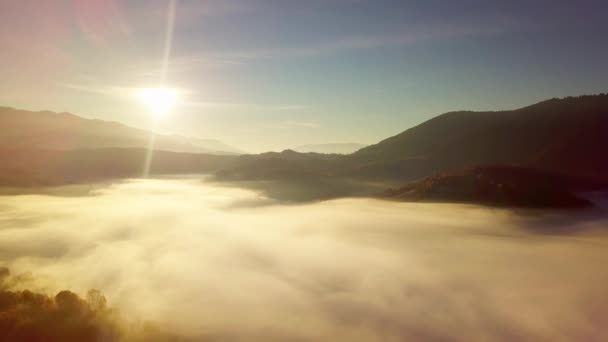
pixel 37 167
pixel 339 148
pixel 23 129
pixel 286 165
pixel 564 136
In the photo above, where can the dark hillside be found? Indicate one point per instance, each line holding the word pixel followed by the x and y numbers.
pixel 565 135
pixel 498 185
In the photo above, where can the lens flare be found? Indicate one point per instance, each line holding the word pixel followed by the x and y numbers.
pixel 160 100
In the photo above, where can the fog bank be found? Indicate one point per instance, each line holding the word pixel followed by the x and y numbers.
pixel 229 264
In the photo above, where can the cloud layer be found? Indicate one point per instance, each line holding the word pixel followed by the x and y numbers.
pixel 217 263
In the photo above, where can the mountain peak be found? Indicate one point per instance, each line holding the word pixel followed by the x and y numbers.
pixel 330 148
pixel 66 131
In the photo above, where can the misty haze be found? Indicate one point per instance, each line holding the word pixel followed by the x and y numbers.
pixel 217 263
pixel 317 170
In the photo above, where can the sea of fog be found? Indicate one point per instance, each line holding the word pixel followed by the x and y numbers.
pixel 230 264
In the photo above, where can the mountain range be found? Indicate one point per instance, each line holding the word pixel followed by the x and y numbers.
pixel 338 148
pixel 23 129
pixel 560 138
pixel 565 136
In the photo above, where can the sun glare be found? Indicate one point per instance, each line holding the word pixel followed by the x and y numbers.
pixel 160 100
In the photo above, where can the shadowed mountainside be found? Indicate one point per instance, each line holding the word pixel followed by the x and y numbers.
pixel 23 129
pixel 499 186
pixel 564 136
pixel 34 167
pixel 286 165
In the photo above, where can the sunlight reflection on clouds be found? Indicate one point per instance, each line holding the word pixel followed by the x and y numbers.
pixel 187 255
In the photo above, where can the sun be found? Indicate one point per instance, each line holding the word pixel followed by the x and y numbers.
pixel 160 100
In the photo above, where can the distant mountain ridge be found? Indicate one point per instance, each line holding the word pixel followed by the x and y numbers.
pixel 49 130
pixel 49 167
pixel 563 135
pixel 564 139
pixel 339 148
pixel 566 136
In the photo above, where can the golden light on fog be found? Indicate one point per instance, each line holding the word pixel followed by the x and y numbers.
pixel 198 257
pixel 159 100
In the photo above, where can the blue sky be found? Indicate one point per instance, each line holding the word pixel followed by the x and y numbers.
pixel 270 74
